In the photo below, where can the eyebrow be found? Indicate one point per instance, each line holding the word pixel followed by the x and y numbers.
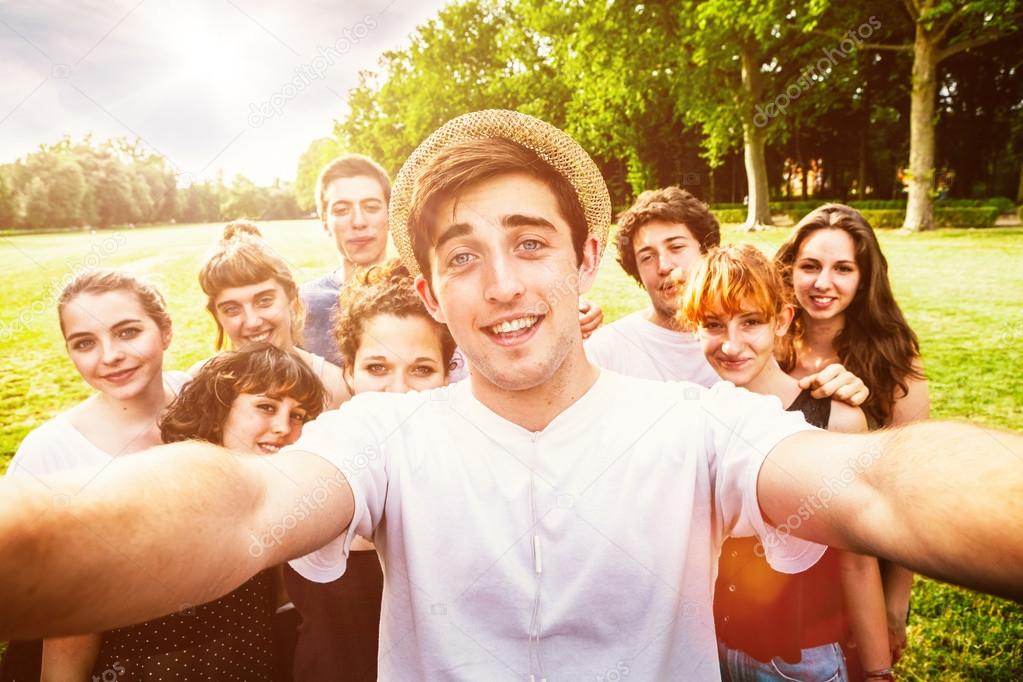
pixel 817 260
pixel 258 293
pixel 113 326
pixel 510 221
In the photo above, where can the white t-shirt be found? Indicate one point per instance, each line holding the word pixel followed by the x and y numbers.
pixel 636 347
pixel 56 445
pixel 629 493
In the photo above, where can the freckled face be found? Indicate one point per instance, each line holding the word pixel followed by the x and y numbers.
pixel 739 347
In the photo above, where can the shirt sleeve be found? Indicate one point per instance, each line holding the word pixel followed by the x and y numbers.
pixel 41 454
pixel 744 428
pixel 348 439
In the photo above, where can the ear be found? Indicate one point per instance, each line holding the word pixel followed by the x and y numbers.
pixel 429 300
pixel 784 319
pixel 167 334
pixel 591 262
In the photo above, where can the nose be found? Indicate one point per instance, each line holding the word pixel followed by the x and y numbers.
pixel 503 284
pixel 280 423
pixel 731 344
pixel 113 352
pixel 358 217
pixel 397 384
pixel 823 280
pixel 664 263
pixel 252 318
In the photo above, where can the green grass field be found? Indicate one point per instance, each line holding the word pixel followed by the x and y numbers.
pixel 962 291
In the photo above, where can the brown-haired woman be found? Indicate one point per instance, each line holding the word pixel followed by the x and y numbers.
pixel 847 313
pixel 390 344
pixel 253 401
pixel 252 297
pixel 116 329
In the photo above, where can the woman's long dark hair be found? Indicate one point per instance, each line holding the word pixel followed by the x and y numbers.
pixel 875 343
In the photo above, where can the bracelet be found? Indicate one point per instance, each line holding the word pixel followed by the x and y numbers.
pixel 882 674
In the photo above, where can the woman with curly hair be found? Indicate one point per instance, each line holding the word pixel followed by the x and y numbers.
pixel 252 401
pixel 847 313
pixel 253 297
pixel 391 344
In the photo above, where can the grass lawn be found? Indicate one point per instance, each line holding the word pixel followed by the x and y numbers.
pixel 962 291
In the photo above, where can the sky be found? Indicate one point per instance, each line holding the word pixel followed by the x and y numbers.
pixel 238 85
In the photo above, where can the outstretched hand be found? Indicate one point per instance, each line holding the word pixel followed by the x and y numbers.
pixel 835 381
pixel 590 317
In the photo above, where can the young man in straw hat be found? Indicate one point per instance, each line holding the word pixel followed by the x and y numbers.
pixel 544 520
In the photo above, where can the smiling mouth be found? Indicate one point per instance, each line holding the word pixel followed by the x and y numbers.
pixel 268 448
pixel 733 364
pixel 261 336
pixel 514 330
pixel 120 375
pixel 823 300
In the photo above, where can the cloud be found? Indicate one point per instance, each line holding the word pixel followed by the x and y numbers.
pixel 183 76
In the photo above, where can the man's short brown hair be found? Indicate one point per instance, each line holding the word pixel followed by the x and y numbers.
pixel 460 166
pixel 672 205
pixel 349 166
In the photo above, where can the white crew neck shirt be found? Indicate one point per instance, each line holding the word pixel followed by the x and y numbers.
pixel 636 347
pixel 56 445
pixel 628 495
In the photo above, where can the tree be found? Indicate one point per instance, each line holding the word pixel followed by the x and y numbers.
pixel 941 29
pixel 749 69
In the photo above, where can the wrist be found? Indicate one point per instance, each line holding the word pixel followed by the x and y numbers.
pixel 881 674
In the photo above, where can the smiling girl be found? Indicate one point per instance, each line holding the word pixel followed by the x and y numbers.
pixel 116 329
pixel 390 344
pixel 772 625
pixel 846 312
pixel 253 297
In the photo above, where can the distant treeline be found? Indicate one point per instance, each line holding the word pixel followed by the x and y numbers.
pixel 88 184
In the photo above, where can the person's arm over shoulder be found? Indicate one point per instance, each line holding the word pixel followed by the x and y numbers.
pixel 742 428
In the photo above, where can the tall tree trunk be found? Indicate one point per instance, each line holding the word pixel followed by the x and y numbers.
pixel 920 207
pixel 758 215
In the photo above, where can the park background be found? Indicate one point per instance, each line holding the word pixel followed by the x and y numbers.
pixel 912 111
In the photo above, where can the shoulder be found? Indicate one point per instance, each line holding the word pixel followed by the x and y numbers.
pixel 177 380
pixel 611 336
pixel 46 449
pixel 915 403
pixel 846 418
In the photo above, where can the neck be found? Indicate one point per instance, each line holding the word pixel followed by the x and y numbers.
pixel 817 343
pixel 660 319
pixel 534 408
pixel 141 407
pixel 773 381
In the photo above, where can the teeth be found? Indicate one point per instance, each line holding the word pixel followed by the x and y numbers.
pixel 260 337
pixel 269 448
pixel 514 325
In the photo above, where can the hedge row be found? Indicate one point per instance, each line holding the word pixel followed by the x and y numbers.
pixel 801 208
pixel 893 217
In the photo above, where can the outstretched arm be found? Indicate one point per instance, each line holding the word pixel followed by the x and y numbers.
pixel 931 496
pixel 155 533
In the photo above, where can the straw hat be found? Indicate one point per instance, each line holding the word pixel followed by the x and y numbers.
pixel 552 145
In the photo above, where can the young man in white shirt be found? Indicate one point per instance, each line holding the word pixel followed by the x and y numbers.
pixel 659 239
pixel 543 520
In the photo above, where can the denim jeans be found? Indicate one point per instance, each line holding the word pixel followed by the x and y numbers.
pixel 823 663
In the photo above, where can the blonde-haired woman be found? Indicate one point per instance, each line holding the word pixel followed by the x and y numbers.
pixel 253 297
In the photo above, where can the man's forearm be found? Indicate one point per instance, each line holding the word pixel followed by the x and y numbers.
pixel 931 496
pixel 148 535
